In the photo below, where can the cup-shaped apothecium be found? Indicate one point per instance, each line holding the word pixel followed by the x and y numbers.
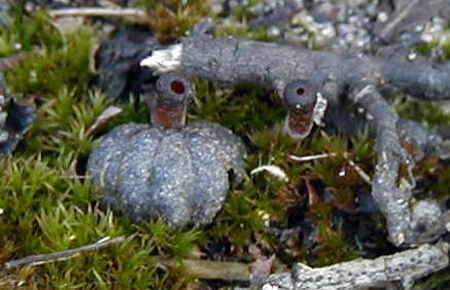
pixel 175 171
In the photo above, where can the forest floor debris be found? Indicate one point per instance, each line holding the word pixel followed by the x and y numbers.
pixel 232 61
pixel 323 215
pixel 15 119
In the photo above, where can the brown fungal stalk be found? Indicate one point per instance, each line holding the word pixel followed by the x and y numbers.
pixel 169 105
pixel 305 107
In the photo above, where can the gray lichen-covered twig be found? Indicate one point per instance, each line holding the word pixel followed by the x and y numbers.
pixel 231 61
pixel 403 267
pixel 393 200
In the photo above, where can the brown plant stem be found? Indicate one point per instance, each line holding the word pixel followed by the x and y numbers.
pixel 136 15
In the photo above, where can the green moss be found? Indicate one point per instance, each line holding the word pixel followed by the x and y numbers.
pixel 239 110
pixel 24 32
pixel 170 241
pixel 332 247
pixel 440 186
pixel 242 13
pixel 245 213
pixel 425 47
pixel 446 47
pixel 125 266
pixel 52 67
pixel 362 147
pixel 172 19
pixel 429 113
pixel 47 207
pixel 243 31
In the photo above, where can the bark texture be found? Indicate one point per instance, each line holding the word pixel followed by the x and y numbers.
pixel 403 267
pixel 231 61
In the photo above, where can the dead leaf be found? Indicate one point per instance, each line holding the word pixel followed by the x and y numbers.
pixel 313 195
pixel 68 24
pixel 260 270
pixel 272 170
pixel 107 115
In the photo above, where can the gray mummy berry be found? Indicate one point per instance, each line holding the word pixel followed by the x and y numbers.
pixel 170 170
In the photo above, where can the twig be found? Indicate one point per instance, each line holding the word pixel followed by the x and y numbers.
pixel 403 267
pixel 355 166
pixel 63 255
pixel 402 14
pixel 312 157
pixel 203 269
pixel 364 176
pixel 232 61
pixel 273 170
pixel 360 172
pixel 392 199
pixel 218 270
pixel 137 15
pixel 109 113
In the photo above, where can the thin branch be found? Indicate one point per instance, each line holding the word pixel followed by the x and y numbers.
pixel 63 255
pixel 213 270
pixel 403 267
pixel 311 157
pixel 393 200
pixel 274 170
pixel 355 166
pixel 109 113
pixel 231 61
pixel 203 269
pixel 136 15
pixel 10 61
pixel 402 14
pixel 364 176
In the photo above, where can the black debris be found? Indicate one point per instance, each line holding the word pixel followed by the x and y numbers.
pixel 118 60
pixel 15 119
